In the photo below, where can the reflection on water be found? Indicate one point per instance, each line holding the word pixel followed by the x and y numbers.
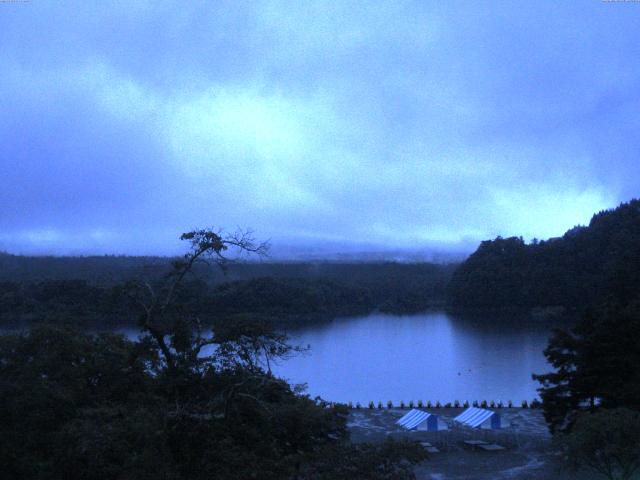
pixel 430 356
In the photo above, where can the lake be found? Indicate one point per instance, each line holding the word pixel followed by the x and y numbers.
pixel 430 356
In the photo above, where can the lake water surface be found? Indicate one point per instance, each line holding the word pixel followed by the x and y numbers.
pixel 430 356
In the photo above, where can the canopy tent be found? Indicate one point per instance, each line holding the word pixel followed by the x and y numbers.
pixel 419 420
pixel 479 418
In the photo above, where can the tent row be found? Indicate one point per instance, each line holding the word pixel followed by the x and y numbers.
pixel 471 417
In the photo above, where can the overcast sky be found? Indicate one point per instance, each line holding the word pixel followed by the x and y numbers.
pixel 379 124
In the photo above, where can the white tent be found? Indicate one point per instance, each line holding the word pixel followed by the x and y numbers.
pixel 420 420
pixel 479 418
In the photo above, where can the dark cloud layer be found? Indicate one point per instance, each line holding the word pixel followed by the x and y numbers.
pixel 410 124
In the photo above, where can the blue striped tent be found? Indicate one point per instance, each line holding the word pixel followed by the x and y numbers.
pixel 479 418
pixel 417 419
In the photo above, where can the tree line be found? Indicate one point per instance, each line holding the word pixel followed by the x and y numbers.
pixel 318 292
pixel 584 267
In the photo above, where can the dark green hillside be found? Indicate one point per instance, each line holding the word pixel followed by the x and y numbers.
pixel 582 268
pixel 103 270
pixel 88 290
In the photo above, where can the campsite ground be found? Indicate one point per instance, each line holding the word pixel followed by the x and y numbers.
pixel 529 452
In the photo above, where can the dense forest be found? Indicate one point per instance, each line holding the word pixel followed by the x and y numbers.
pixel 580 269
pixel 90 290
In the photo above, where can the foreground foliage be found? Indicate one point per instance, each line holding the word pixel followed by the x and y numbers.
pixel 596 365
pixel 606 442
pixel 389 460
pixel 80 406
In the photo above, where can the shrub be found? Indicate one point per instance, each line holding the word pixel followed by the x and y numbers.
pixel 389 404
pixel 402 404
pixel 112 414
pixel 350 404
pixel 475 403
pixel 465 404
pixel 510 404
pixel 420 404
pixel 606 442
pixel 525 404
pixel 438 404
pixel 358 405
pixel 429 404
pixel 410 403
pixel 493 404
pixel 483 404
pixel 456 404
pixel 371 405
pixel 447 405
pixel 379 405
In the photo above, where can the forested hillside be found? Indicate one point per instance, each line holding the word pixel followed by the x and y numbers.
pixel 580 269
pixel 92 290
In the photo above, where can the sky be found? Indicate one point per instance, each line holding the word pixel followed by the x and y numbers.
pixel 326 125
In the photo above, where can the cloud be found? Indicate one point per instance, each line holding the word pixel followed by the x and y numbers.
pixel 546 211
pixel 409 124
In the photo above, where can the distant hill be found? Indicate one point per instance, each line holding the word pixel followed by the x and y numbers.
pixel 104 270
pixel 582 268
pixel 115 269
pixel 87 290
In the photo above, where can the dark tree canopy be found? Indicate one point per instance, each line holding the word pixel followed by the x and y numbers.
pixel 82 406
pixel 580 269
pixel 282 294
pixel 606 442
pixel 596 365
